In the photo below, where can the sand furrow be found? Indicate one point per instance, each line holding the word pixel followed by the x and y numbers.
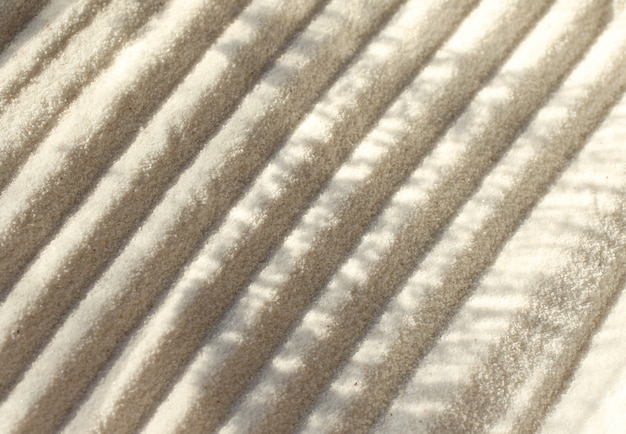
pixel 14 16
pixel 312 215
pixel 504 295
pixel 595 398
pixel 44 37
pixel 31 115
pixel 145 266
pixel 97 126
pixel 224 366
pixel 92 237
pixel 321 338
pixel 244 243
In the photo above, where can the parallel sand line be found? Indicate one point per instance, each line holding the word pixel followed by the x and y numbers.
pixel 129 286
pixel 595 399
pixel 527 378
pixel 283 382
pixel 511 296
pixel 124 195
pixel 436 286
pixel 321 137
pixel 529 316
pixel 44 37
pixel 550 374
pixel 107 114
pixel 597 246
pixel 14 15
pixel 212 379
pixel 33 113
pixel 467 340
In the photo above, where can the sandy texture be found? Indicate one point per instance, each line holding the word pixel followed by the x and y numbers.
pixel 312 215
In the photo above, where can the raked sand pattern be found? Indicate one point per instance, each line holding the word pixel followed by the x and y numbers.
pixel 273 216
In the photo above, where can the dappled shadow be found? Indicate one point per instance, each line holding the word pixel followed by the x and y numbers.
pixel 227 173
pixel 595 378
pixel 544 342
pixel 457 275
pixel 484 400
pixel 306 246
pixel 81 266
pixel 45 196
pixel 351 316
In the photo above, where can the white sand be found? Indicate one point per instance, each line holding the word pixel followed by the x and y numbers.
pixel 306 215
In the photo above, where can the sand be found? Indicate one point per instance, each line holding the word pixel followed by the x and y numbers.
pixel 312 216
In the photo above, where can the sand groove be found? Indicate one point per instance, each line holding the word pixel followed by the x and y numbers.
pixel 310 215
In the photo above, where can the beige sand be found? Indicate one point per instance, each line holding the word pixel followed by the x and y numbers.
pixel 307 215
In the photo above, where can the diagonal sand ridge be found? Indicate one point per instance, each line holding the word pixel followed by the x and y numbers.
pixel 312 215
